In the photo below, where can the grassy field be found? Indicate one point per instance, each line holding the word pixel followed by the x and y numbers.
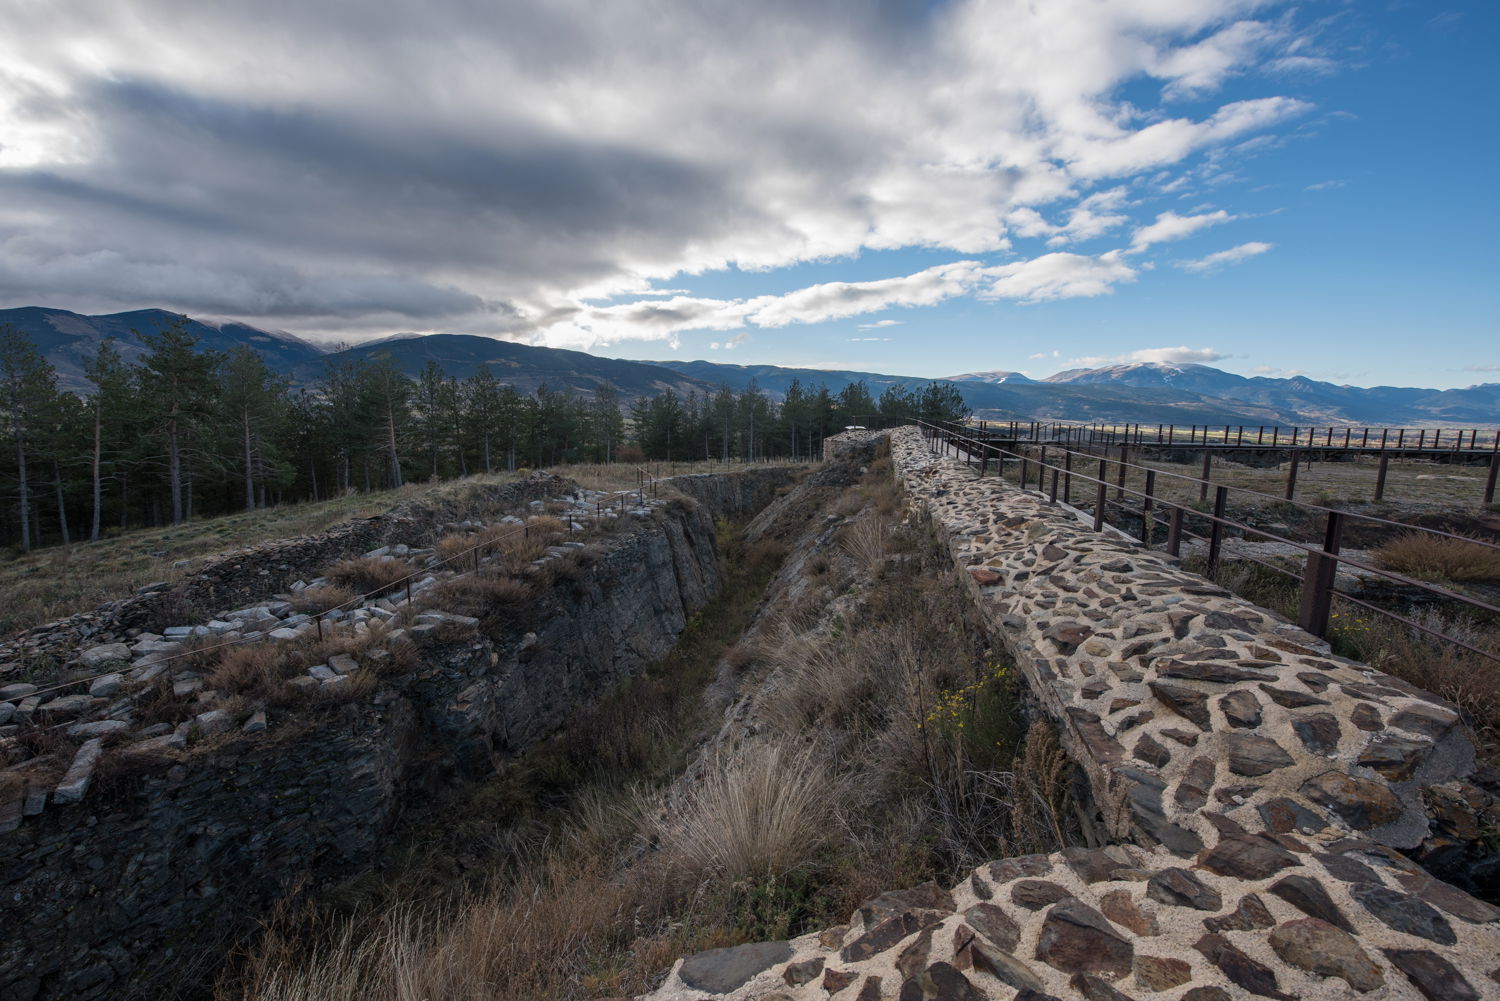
pixel 60 580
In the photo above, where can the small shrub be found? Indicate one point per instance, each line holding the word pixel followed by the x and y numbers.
pixel 256 672
pixel 369 574
pixel 316 600
pixel 1439 557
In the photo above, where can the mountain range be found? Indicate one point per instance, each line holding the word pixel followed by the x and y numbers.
pixel 1148 392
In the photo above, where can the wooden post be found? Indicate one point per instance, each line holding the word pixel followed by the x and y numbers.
pixel 1102 495
pixel 1120 480
pixel 1150 491
pixel 1216 532
pixel 1174 532
pixel 1203 480
pixel 1291 477
pixel 1068 477
pixel 1385 461
pixel 1489 483
pixel 1318 579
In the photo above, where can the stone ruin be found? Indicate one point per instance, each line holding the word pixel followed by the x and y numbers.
pixel 1273 821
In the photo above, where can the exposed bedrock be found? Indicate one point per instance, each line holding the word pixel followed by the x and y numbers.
pixel 171 853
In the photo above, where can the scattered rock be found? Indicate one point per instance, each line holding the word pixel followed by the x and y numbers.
pixel 1433 975
pixel 1248 915
pixel 1250 754
pixel 1075 938
pixel 1160 973
pixel 96 657
pixel 1318 947
pixel 1246 858
pixel 1360 803
pixel 1404 912
pixel 1308 896
pixel 1253 976
pixel 1180 888
pixel 80 773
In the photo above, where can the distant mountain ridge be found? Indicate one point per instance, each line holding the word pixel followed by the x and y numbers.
pixel 1148 392
pixel 70 340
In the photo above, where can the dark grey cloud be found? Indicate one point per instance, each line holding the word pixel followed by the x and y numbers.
pixel 493 167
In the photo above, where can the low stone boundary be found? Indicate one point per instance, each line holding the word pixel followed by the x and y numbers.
pixel 1271 797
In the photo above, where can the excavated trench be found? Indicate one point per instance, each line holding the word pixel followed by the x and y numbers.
pixel 155 854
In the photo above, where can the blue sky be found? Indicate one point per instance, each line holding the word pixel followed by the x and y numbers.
pixel 900 186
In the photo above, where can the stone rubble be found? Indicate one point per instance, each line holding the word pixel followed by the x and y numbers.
pixel 1270 800
pixel 141 657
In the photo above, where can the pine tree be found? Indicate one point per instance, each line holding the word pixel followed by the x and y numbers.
pixel 252 399
pixel 177 383
pixel 28 385
pixel 112 407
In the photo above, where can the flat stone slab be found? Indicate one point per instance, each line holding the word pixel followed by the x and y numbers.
pixel 720 971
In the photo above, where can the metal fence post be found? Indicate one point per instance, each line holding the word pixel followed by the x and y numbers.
pixel 1318 579
pixel 1216 532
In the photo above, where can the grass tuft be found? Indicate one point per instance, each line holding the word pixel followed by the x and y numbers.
pixel 1439 558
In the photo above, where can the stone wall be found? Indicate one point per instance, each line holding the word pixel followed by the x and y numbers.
pixel 174 851
pixel 1270 802
pixel 256 572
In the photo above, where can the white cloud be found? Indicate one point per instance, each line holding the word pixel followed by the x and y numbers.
pixel 867 340
pixel 1324 186
pixel 1057 276
pixel 1171 226
pixel 1180 355
pixel 879 323
pixel 209 158
pixel 1045 354
pixel 1482 368
pixel 1231 256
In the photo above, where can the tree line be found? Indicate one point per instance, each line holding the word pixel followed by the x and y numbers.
pixel 187 432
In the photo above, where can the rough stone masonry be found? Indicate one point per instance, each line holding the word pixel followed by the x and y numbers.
pixel 1270 802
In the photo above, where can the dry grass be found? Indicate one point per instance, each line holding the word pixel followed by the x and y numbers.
pixel 761 814
pixel 1439 558
pixel 257 672
pixel 316 600
pixel 368 575
pixel 866 543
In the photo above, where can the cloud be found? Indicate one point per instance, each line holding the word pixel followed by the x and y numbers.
pixel 879 323
pixel 866 340
pixel 1045 354
pixel 1171 226
pixel 1057 276
pixel 1482 368
pixel 1224 257
pixel 1324 186
pixel 1180 355
pixel 211 158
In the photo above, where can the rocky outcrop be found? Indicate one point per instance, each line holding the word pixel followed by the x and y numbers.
pixel 155 850
pixel 1270 802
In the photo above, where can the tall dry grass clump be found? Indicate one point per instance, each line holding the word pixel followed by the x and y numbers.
pixel 368 574
pixel 1439 558
pixel 762 813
